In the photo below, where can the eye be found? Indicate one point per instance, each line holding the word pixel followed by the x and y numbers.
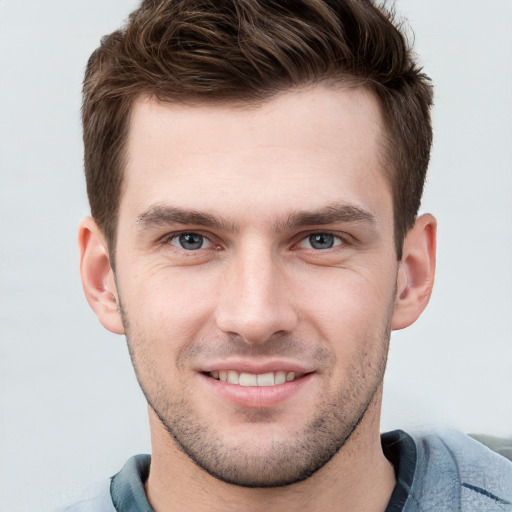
pixel 190 241
pixel 321 241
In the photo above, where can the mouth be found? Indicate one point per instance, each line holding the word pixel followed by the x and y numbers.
pixel 261 386
pixel 254 379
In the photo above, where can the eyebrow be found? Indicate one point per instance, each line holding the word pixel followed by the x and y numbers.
pixel 161 215
pixel 328 215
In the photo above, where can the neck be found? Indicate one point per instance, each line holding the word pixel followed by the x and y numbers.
pixel 357 478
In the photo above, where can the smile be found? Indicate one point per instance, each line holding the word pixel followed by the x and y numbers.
pixel 251 379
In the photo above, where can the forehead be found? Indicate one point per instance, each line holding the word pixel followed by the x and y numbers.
pixel 305 147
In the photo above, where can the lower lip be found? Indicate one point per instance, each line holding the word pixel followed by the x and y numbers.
pixel 256 397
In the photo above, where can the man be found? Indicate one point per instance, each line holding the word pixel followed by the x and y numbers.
pixel 254 171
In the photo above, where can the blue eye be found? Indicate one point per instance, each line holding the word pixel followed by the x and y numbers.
pixel 188 241
pixel 321 241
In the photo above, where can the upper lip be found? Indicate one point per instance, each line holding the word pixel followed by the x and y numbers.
pixel 256 368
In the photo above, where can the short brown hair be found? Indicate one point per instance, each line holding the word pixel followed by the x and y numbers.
pixel 248 50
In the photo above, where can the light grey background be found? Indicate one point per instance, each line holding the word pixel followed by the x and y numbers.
pixel 70 408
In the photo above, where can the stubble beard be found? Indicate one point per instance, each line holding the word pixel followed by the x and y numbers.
pixel 285 461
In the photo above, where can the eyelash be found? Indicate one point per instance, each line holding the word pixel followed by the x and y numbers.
pixel 340 240
pixel 167 239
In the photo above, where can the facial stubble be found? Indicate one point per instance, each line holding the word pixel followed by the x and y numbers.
pixel 285 461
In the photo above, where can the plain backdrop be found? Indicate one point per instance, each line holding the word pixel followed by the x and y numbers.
pixel 71 411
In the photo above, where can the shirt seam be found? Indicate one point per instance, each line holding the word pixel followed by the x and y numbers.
pixel 487 494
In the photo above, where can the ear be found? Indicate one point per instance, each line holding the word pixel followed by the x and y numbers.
pixel 415 272
pixel 98 277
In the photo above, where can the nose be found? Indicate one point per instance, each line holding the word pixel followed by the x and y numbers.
pixel 254 302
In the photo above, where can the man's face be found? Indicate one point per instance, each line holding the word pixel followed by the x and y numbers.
pixel 256 245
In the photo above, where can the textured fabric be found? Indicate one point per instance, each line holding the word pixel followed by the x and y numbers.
pixel 436 472
pixel 457 473
pixel 127 487
pixel 400 449
pixel 496 444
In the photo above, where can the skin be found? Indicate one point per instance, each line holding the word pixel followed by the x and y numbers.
pixel 255 187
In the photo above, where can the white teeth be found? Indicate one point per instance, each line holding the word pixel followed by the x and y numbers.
pixel 248 379
pixel 251 379
pixel 266 379
pixel 280 378
pixel 232 377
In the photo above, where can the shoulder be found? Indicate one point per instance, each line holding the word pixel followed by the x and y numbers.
pixel 95 498
pixel 452 467
pixel 124 491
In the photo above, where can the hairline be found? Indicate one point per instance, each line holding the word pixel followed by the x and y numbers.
pixel 339 82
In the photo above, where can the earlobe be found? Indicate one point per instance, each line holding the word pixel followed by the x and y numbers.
pixel 416 272
pixel 97 276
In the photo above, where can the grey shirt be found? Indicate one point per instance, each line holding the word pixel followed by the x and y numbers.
pixel 436 472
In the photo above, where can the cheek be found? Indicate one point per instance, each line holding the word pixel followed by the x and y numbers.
pixel 165 311
pixel 347 297
pixel 165 293
pixel 352 316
